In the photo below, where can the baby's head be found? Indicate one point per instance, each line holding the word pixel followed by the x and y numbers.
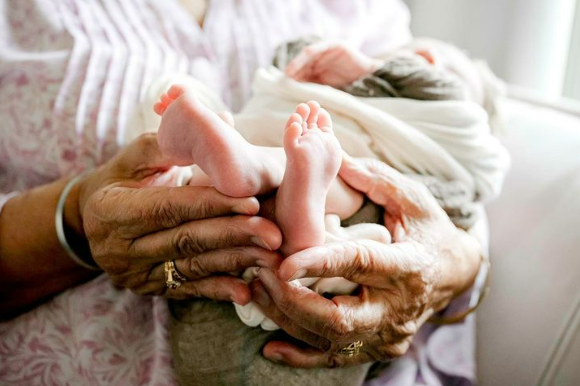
pixel 483 87
pixel 448 58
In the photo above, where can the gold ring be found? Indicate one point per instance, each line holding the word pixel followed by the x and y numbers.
pixel 173 279
pixel 352 349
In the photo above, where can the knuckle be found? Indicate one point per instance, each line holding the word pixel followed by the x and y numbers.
pixel 165 213
pixel 194 291
pixel 204 208
pixel 339 327
pixel 419 198
pixel 237 257
pixel 100 214
pixel 327 266
pixel 196 268
pixel 334 361
pixel 362 262
pixel 145 143
pixel 229 235
pixel 395 343
pixel 405 307
pixel 187 244
pixel 114 262
pixel 331 264
pixel 407 330
pixel 398 350
pixel 391 353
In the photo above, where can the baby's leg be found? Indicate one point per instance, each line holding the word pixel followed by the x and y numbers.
pixel 190 133
pixel 313 159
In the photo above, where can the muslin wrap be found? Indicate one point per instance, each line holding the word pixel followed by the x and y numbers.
pixel 450 140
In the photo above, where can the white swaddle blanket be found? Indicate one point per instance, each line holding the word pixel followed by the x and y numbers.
pixel 450 140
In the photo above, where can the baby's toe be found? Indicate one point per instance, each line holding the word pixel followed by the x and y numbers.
pixel 159 108
pixel 175 91
pixel 303 110
pixel 293 132
pixel 314 112
pixel 165 99
pixel 324 121
pixel 294 118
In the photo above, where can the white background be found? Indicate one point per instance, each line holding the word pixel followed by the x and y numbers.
pixel 526 42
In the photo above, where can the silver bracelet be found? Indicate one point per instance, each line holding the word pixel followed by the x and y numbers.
pixel 59 223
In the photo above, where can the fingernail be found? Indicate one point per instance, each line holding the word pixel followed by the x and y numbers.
pixel 241 299
pixel 249 206
pixel 261 243
pixel 240 209
pixel 276 357
pixel 298 275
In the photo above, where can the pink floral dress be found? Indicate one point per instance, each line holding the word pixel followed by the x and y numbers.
pixel 72 73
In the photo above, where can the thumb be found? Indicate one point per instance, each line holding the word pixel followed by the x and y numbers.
pixel 356 173
pixel 140 159
pixel 387 187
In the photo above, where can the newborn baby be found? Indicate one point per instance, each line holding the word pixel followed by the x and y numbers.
pixel 305 173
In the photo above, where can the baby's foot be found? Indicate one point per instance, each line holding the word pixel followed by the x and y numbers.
pixel 190 133
pixel 313 159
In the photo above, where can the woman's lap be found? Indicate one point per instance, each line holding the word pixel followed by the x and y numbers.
pixel 211 346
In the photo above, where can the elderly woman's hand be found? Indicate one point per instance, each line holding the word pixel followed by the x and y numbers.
pixel 135 219
pixel 401 285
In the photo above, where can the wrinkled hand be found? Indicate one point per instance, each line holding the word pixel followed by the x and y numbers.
pixel 401 285
pixel 135 218
pixel 330 63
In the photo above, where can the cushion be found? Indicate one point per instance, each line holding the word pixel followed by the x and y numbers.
pixel 528 327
